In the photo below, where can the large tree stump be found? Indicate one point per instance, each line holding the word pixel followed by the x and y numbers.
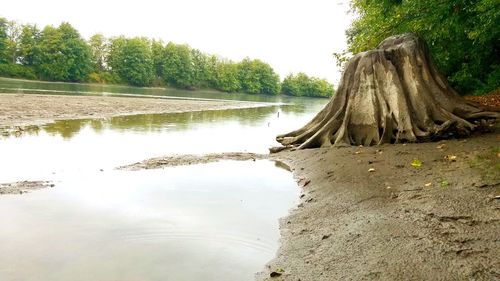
pixel 388 95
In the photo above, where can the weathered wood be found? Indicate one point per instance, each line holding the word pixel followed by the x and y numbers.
pixel 388 95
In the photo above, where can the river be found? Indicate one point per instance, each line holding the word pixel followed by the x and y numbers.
pixel 216 221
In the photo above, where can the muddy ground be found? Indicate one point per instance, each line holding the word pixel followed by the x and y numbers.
pixel 427 211
pixel 21 187
pixel 190 159
pixel 27 109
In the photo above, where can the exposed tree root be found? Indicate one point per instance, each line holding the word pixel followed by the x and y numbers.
pixel 388 95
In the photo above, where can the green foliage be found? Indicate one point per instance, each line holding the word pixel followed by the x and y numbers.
pixel 178 66
pixel 64 55
pixel 227 77
pixel 3 40
pixel 103 78
pixel 12 43
pixel 99 47
pixel 16 71
pixel 257 77
pixel 29 49
pixel 60 54
pixel 303 85
pixel 202 72
pixel 157 51
pixel 131 60
pixel 462 35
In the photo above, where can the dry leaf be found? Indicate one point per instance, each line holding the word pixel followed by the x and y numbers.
pixel 428 184
pixel 451 158
pixel 416 163
pixel 371 170
pixel 441 146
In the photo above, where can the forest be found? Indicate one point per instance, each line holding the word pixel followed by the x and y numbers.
pixel 61 54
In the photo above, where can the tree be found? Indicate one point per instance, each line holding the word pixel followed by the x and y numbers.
pixel 178 66
pixel 13 37
pixel 29 49
pixel 3 40
pixel 64 55
pixel 227 77
pixel 99 47
pixel 303 85
pixel 158 52
pixel 131 59
pixel 388 95
pixel 462 35
pixel 202 74
pixel 257 77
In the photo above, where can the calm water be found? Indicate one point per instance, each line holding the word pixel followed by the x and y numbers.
pixel 215 221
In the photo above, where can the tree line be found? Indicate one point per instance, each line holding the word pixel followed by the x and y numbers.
pixel 462 35
pixel 61 54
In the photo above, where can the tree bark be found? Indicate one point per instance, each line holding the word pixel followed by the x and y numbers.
pixel 391 94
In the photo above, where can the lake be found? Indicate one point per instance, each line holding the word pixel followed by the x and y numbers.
pixel 216 221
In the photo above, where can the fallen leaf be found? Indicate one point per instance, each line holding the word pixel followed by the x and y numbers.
pixel 451 158
pixel 441 146
pixel 428 184
pixel 388 187
pixel 416 163
pixel 306 183
pixel 371 170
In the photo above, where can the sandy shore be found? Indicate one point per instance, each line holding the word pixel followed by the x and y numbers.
pixel 190 159
pixel 376 213
pixel 368 214
pixel 24 109
pixel 21 187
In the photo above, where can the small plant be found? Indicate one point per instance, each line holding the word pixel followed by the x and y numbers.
pixel 444 183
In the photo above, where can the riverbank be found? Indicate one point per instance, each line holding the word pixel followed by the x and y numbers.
pixel 20 110
pixel 427 211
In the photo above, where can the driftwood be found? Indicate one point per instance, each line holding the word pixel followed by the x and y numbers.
pixel 389 95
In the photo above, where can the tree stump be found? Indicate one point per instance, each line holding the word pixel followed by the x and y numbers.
pixel 391 94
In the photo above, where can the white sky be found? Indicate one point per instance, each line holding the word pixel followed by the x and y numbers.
pixel 290 35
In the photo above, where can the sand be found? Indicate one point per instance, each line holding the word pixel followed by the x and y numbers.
pixel 426 211
pixel 368 214
pixel 28 110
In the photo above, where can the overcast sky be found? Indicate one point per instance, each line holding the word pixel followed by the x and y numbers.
pixel 291 35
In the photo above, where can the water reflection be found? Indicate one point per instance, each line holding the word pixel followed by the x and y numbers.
pixel 158 122
pixel 214 221
pixel 152 225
